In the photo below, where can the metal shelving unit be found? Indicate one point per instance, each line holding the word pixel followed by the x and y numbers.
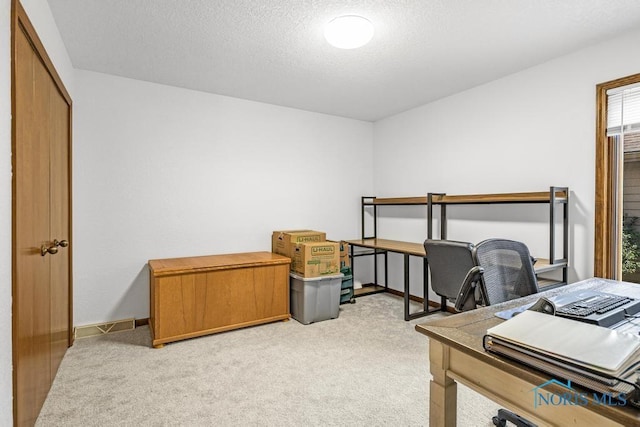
pixel 556 197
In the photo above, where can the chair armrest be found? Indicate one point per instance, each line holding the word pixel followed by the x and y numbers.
pixel 466 296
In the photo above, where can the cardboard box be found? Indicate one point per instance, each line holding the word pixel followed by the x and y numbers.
pixel 316 259
pixel 345 261
pixel 284 241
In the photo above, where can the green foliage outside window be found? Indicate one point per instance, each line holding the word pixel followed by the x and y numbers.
pixel 630 245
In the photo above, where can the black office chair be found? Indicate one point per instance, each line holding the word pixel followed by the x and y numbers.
pixel 454 273
pixel 494 271
pixel 506 273
pixel 507 270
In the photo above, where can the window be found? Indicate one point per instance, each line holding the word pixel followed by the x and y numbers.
pixel 617 147
pixel 623 126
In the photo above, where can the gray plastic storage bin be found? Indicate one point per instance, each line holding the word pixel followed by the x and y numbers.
pixel 315 298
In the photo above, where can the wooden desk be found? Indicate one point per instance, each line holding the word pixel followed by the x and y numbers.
pixel 409 248
pixel 406 249
pixel 456 355
pixel 202 295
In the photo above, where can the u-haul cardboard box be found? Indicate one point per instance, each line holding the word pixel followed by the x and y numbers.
pixel 284 241
pixel 315 259
pixel 345 261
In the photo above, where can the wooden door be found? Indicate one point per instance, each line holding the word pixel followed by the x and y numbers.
pixel 41 216
pixel 60 227
pixel 32 370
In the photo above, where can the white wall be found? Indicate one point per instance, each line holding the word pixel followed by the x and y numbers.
pixel 42 20
pixel 166 172
pixel 525 132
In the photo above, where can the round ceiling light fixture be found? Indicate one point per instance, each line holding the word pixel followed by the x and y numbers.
pixel 348 32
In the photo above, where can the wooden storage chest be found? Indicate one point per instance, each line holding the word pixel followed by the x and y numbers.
pixel 196 296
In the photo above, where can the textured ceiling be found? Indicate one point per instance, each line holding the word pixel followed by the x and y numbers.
pixel 274 51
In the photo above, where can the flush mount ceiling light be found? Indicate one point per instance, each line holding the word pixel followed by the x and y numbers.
pixel 348 32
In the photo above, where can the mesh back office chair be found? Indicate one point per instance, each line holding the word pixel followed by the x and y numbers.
pixel 454 272
pixel 494 271
pixel 507 270
pixel 507 273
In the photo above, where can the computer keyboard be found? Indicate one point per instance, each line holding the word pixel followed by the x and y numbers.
pixel 600 309
pixel 598 304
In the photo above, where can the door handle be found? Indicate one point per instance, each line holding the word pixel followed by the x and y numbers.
pixel 53 249
pixel 44 249
pixel 63 243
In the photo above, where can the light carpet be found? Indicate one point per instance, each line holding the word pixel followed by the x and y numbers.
pixel 368 367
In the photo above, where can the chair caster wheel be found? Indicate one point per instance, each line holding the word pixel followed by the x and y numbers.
pixel 498 422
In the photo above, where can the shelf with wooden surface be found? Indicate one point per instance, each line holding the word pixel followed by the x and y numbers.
pixel 397 201
pixel 368 289
pixel 559 194
pixel 555 197
pixel 375 247
pixel 396 246
pixel 541 266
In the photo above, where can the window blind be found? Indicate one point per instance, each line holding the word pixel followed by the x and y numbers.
pixel 623 110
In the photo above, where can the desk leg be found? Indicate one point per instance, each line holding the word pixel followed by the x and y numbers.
pixel 406 287
pixel 442 389
pixel 425 284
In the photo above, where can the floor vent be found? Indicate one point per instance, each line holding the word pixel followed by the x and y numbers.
pixel 104 328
